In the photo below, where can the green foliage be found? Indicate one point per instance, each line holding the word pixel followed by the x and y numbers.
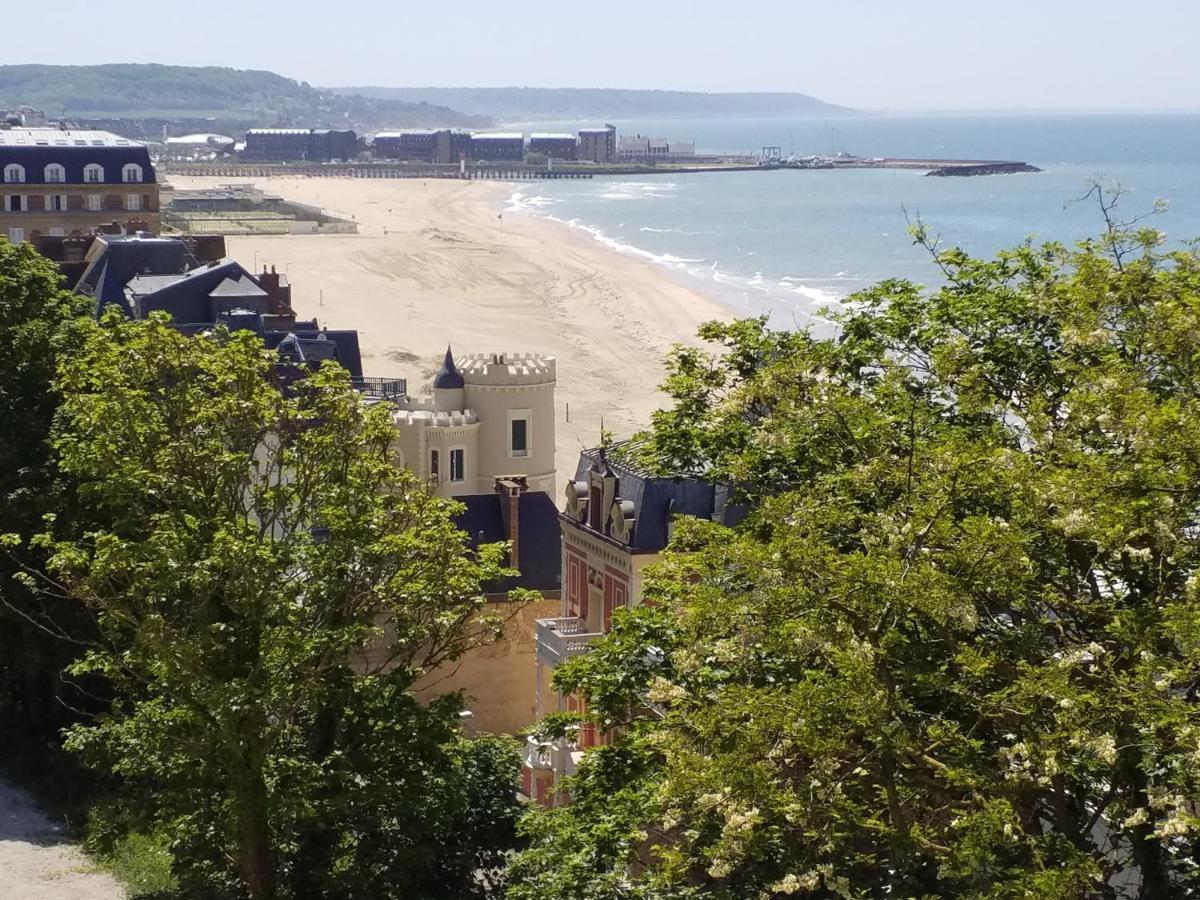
pixel 254 97
pixel 266 585
pixel 953 651
pixel 36 316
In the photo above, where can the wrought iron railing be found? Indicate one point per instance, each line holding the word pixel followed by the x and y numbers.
pixel 394 389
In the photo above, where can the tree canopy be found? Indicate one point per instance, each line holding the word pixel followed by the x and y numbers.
pixel 266 585
pixel 954 650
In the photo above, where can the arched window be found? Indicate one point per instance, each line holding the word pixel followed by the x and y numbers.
pixel 131 174
pixel 55 174
pixel 14 174
pixel 93 173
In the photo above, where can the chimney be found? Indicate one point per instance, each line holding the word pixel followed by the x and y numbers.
pixel 510 488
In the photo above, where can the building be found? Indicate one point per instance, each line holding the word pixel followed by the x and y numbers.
pixel 451 146
pixel 598 145
pixel 495 676
pixel 141 274
pixel 644 149
pixel 490 416
pixel 555 146
pixel 198 146
pixel 486 437
pixel 617 521
pixel 414 145
pixel 61 183
pixel 299 145
pixel 497 147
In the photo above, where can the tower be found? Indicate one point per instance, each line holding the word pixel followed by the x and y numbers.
pixel 513 396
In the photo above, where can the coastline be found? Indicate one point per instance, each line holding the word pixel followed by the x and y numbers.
pixel 443 261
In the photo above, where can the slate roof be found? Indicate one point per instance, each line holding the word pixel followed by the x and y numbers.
pixel 656 497
pixel 36 148
pixel 539 542
pixel 448 376
pixel 232 288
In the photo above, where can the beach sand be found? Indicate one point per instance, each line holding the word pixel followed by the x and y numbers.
pixel 434 264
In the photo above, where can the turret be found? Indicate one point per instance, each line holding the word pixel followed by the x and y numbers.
pixel 448 386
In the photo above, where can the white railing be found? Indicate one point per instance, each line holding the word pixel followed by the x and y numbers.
pixel 560 639
pixel 559 756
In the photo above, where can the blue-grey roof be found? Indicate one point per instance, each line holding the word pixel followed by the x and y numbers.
pixel 36 148
pixel 656 498
pixel 448 376
pixel 539 548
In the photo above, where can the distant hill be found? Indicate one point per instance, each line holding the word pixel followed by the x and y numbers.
pixel 234 96
pixel 516 104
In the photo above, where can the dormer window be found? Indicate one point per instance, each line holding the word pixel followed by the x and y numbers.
pixel 131 174
pixel 93 173
pixel 55 174
pixel 14 174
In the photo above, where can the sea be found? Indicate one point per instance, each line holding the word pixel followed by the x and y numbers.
pixel 795 244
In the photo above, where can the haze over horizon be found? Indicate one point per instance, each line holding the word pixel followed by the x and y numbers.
pixel 873 55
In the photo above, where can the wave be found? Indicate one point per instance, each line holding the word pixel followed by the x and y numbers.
pixel 521 201
pixel 665 259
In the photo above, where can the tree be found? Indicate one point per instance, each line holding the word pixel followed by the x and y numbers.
pixel 954 650
pixel 35 319
pixel 267 585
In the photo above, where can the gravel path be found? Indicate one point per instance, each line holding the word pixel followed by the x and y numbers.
pixel 38 863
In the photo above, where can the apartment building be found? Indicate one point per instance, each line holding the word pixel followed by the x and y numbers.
pixel 617 520
pixel 63 183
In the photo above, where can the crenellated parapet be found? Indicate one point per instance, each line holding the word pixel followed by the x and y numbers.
pixel 507 369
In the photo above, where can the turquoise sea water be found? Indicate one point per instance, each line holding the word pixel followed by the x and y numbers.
pixel 792 242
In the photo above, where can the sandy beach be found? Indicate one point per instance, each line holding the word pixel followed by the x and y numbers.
pixel 434 264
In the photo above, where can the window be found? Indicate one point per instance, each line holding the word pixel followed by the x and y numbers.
pixel 93 173
pixel 14 174
pixel 55 174
pixel 95 202
pixel 133 202
pixel 16 235
pixel 458 460
pixel 435 464
pixel 56 202
pixel 131 174
pixel 518 433
pixel 16 203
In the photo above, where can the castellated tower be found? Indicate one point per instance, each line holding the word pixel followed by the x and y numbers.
pixel 491 415
pixel 513 396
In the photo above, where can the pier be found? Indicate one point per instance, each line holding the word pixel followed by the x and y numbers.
pixel 519 172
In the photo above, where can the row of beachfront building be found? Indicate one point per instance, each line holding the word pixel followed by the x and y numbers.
pixel 447 146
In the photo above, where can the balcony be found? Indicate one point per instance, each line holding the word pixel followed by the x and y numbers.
pixel 559 756
pixel 560 639
pixel 393 389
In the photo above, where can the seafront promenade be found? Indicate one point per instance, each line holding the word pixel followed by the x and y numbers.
pixel 520 172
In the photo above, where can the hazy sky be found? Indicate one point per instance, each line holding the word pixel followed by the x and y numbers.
pixel 878 54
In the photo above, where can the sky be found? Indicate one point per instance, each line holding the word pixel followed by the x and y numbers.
pixel 871 54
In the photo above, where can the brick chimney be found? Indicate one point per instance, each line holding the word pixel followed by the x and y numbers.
pixel 510 488
pixel 278 299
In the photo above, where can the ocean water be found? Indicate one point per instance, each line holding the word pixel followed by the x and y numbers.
pixel 793 243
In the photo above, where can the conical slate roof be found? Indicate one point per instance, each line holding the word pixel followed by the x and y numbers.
pixel 448 376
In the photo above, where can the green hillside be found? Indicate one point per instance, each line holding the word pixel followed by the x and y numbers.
pixel 518 104
pixel 125 91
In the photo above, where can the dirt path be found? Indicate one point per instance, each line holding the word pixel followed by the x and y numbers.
pixel 38 863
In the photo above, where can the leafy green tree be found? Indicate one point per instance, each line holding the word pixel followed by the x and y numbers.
pixel 35 319
pixel 954 650
pixel 267 585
